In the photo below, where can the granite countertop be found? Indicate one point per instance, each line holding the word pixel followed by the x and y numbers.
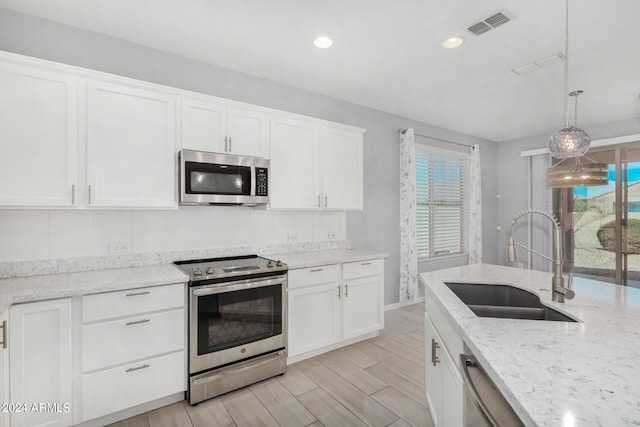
pixel 316 258
pixel 51 286
pixel 554 373
pixel 62 285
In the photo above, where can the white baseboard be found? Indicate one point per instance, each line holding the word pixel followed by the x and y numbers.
pixel 403 304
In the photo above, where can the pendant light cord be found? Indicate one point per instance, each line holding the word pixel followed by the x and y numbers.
pixel 566 66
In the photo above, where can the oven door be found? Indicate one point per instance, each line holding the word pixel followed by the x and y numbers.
pixel 236 320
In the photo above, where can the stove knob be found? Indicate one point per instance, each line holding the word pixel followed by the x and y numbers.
pixel 197 272
pixel 279 263
pixel 270 264
pixel 209 270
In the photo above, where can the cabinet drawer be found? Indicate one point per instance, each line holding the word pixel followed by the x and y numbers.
pixel 119 388
pixel 314 275
pixel 373 267
pixel 119 341
pixel 109 305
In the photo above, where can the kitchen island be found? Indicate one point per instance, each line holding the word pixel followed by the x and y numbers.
pixel 553 373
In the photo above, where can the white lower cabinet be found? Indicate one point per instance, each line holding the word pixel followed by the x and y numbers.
pixel 74 360
pixel 332 304
pixel 115 389
pixel 443 381
pixel 132 348
pixel 40 363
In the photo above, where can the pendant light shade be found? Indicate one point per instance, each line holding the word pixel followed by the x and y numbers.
pixel 572 172
pixel 569 142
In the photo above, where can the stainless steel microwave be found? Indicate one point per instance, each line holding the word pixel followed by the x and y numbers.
pixel 223 179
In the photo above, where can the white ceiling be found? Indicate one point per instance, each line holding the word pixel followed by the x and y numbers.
pixel 387 53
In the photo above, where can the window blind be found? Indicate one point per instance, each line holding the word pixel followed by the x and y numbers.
pixel 441 182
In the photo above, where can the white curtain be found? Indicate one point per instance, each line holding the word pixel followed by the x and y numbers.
pixel 408 250
pixel 475 214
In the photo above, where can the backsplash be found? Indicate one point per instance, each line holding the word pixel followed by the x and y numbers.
pixel 49 235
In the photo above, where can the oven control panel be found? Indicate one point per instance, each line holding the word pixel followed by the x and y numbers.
pixel 262 181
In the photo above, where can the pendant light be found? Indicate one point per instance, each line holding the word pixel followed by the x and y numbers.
pixel 572 172
pixel 570 141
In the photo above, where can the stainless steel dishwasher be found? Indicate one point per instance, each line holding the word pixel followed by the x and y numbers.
pixel 485 405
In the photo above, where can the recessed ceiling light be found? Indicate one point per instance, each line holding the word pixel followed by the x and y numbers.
pixel 452 42
pixel 322 42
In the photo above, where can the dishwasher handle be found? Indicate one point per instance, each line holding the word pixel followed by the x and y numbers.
pixel 468 361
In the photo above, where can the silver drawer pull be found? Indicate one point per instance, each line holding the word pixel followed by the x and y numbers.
pixel 315 270
pixel 4 333
pixel 137 368
pixel 137 322
pixel 366 263
pixel 135 294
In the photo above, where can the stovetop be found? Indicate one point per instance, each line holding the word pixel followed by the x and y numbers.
pixel 232 267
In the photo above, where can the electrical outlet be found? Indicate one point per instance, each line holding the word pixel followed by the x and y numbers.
pixel 332 235
pixel 292 237
pixel 118 247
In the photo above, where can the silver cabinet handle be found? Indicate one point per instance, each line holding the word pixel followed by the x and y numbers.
pixel 319 205
pixel 325 201
pixel 315 270
pixel 339 294
pixel 346 290
pixel 135 294
pixel 434 347
pixel 73 194
pixel 229 144
pixel 89 195
pixel 137 368
pixel 137 322
pixel 226 144
pixel 366 263
pixel 4 333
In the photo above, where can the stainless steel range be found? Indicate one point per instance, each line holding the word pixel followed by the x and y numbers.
pixel 237 323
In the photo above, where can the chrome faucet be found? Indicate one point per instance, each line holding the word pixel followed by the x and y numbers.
pixel 558 291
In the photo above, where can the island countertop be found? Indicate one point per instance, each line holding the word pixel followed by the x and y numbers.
pixel 554 373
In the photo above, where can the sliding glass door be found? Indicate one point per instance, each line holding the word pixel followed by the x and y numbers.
pixel 601 225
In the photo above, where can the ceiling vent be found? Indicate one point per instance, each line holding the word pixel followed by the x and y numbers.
pixel 490 23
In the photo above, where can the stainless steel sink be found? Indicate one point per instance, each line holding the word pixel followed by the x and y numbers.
pixel 504 301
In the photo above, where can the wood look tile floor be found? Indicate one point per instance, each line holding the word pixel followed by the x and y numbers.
pixel 378 382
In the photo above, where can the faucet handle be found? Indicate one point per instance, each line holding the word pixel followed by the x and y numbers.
pixel 565 292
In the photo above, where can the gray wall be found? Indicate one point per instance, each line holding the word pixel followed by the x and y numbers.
pixel 376 228
pixel 513 172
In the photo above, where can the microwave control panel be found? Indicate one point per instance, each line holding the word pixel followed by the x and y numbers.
pixel 262 182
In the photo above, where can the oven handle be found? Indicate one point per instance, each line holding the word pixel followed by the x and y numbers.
pixel 217 288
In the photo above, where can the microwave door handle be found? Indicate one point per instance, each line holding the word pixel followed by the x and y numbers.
pixel 253 180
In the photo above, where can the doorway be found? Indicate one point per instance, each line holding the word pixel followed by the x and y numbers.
pixel 601 225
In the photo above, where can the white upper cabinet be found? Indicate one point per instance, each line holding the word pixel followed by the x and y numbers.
pixel 223 128
pixel 130 147
pixel 314 166
pixel 341 160
pixel 38 130
pixel 295 175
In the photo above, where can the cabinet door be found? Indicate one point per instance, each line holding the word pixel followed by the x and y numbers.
pixel 363 310
pixel 130 147
pixel 341 158
pixel 248 132
pixel 295 179
pixel 40 362
pixel 4 368
pixel 204 126
pixel 38 130
pixel 452 391
pixel 314 317
pixel 433 372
